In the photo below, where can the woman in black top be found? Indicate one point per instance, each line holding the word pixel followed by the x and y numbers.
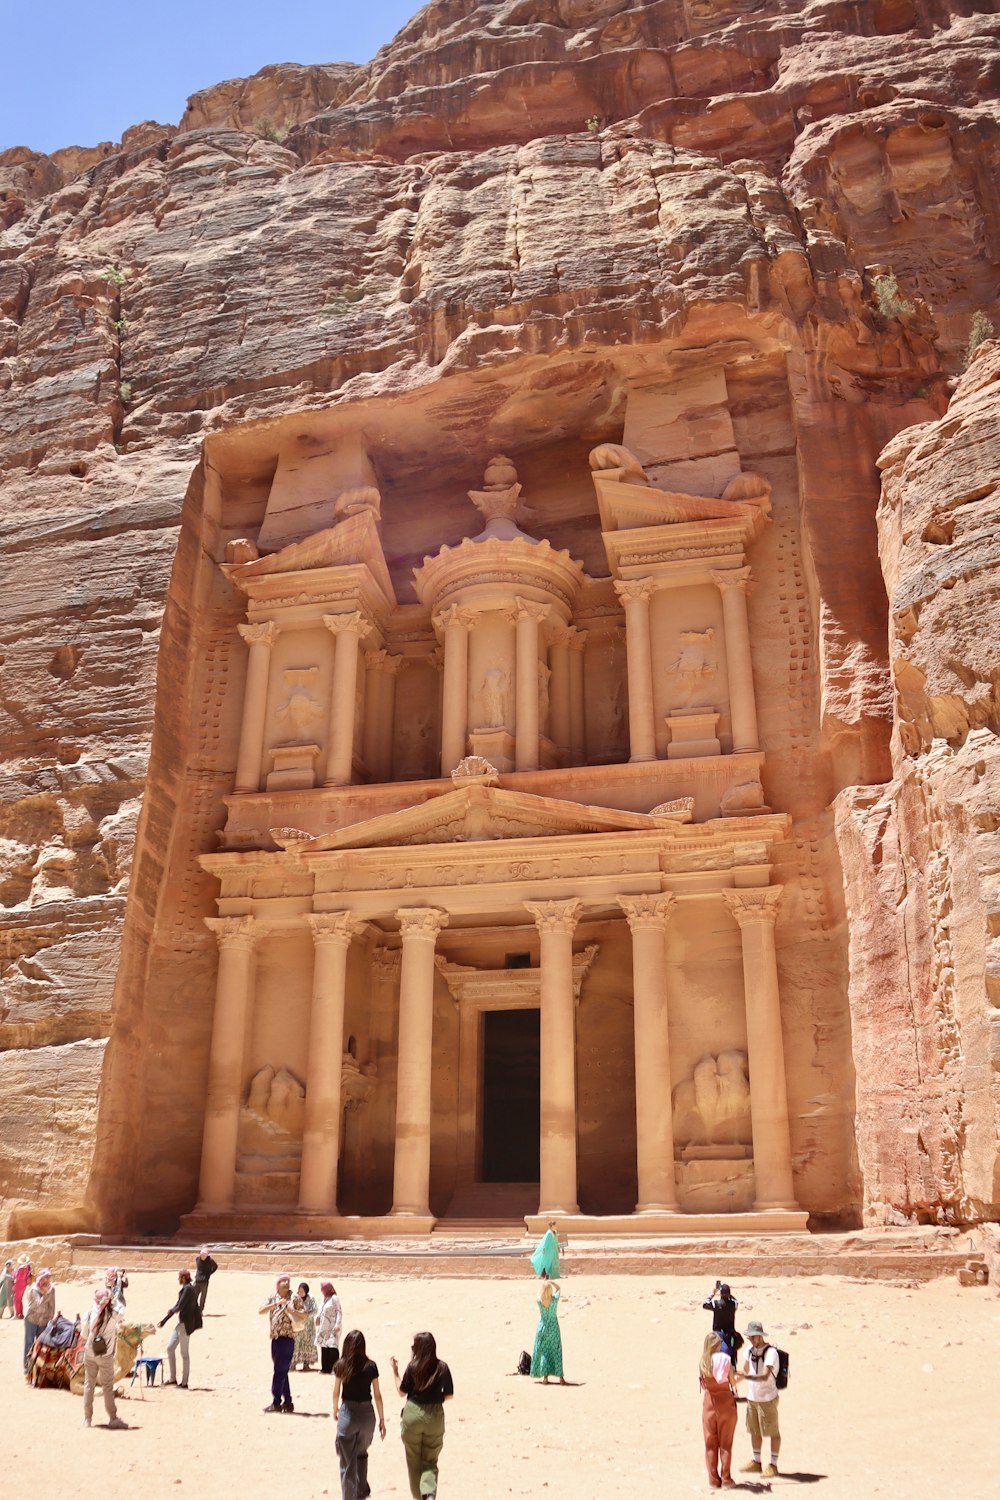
pixel 354 1387
pixel 427 1385
pixel 722 1305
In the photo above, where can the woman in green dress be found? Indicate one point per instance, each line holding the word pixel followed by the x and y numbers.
pixel 546 1357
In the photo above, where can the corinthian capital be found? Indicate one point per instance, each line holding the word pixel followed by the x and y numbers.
pixel 234 932
pixel 256 635
pixel 421 921
pixel 354 622
pixel 756 904
pixel 647 911
pixel 455 617
pixel 635 590
pixel 555 916
pixel 528 609
pixel 337 927
pixel 730 578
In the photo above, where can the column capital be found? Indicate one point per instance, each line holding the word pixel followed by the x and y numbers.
pixel 528 609
pixel 455 615
pixel 635 590
pixel 379 660
pixel 555 916
pixel 255 635
pixel 386 961
pixel 421 921
pixel 559 634
pixel 234 932
pixel 647 911
pixel 577 638
pixel 730 578
pixel 337 927
pixel 355 622
pixel 756 904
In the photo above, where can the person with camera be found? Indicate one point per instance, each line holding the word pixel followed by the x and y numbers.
pixel 286 1316
pixel 188 1310
pixel 722 1305
pixel 98 1336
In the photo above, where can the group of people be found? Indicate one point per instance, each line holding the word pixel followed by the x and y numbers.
pixel 426 1384
pixel 720 1380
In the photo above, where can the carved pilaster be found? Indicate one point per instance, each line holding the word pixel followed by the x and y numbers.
pixel 635 594
pixel 733 585
pixel 260 638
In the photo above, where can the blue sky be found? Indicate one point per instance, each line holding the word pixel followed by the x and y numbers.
pixel 75 73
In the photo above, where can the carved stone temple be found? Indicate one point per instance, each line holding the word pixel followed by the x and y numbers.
pixel 499 889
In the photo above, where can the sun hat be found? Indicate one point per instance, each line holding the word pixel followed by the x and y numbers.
pixel 755 1330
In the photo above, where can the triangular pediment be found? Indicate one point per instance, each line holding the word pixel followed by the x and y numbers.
pixel 473 814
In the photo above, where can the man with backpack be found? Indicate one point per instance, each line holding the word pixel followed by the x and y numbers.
pixel 761 1372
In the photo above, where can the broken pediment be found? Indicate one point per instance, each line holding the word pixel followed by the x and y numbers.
pixel 351 542
pixel 627 501
pixel 475 812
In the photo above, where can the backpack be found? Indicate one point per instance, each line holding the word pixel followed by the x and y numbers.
pixel 524 1363
pixel 781 1379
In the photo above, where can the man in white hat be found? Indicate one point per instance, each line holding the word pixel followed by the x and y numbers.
pixel 760 1370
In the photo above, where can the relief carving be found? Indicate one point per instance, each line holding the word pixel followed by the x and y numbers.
pixel 712 1107
pixel 301 715
pixel 743 796
pixel 491 705
pixel 271 1123
pixel 695 665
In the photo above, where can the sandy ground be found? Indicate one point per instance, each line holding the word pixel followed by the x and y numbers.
pixel 891 1394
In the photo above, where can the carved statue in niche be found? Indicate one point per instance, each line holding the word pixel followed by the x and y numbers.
pixel 301 715
pixel 694 666
pixel 278 1097
pixel 544 674
pixel 271 1123
pixel 712 1107
pixel 491 704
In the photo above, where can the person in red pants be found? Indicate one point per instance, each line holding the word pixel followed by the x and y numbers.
pixel 717 1379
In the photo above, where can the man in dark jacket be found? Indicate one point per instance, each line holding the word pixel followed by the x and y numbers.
pixel 204 1267
pixel 188 1322
pixel 722 1305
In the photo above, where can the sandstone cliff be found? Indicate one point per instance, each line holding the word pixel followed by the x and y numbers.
pixel 515 209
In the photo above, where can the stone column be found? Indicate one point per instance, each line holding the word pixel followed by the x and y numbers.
pixel 380 712
pixel 321 1130
pixel 732 585
pixel 260 639
pixel 756 911
pixel 348 630
pixel 577 698
pixel 412 1168
pixel 654 1131
pixel 556 922
pixel 562 734
pixel 454 624
pixel 527 616
pixel 236 937
pixel 635 595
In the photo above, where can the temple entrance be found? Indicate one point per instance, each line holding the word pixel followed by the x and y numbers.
pixel 510 1095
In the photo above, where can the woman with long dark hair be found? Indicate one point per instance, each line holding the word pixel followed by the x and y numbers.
pixel 427 1385
pixel 355 1386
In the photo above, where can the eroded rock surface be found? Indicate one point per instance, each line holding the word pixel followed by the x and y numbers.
pixel 514 212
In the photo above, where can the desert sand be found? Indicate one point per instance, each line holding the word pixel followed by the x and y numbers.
pixel 883 1383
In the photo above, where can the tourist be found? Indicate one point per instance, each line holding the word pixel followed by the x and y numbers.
pixel 761 1371
pixel 22 1277
pixel 188 1321
pixel 7 1288
pixel 354 1388
pixel 722 1305
pixel 116 1282
pixel 546 1356
pixel 717 1379
pixel 39 1310
pixel 285 1313
pixel 98 1337
pixel 328 1321
pixel 204 1269
pixel 305 1339
pixel 427 1385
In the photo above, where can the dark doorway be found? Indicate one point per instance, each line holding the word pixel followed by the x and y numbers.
pixel 511 1079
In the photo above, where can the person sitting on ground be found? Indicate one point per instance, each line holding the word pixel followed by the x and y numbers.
pixel 761 1371
pixel 204 1269
pixel 188 1321
pixel 717 1379
pixel 98 1337
pixel 722 1305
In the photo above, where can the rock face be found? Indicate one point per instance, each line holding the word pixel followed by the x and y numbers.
pixel 494 238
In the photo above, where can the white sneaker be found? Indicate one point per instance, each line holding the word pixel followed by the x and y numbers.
pixel 117 1425
pixel 85 1422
